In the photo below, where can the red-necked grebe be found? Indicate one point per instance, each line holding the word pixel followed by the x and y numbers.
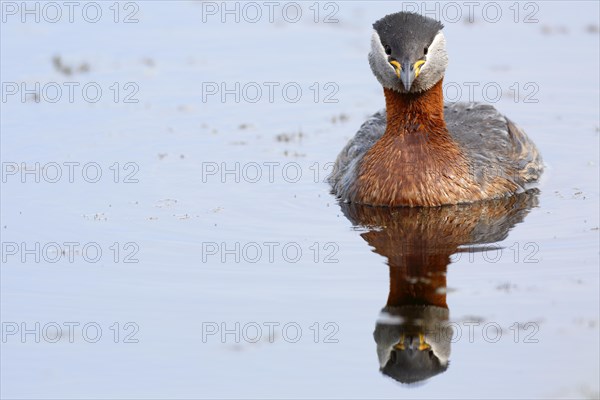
pixel 418 151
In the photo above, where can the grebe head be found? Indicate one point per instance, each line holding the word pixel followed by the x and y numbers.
pixel 408 52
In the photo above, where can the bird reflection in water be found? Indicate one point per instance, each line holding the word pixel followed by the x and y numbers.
pixel 413 333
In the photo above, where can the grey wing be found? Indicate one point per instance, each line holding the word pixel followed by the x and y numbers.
pixel 496 146
pixel 345 167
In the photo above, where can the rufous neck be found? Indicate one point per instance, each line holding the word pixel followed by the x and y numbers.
pixel 415 108
pixel 419 279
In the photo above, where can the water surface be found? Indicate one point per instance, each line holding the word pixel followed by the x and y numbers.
pixel 363 278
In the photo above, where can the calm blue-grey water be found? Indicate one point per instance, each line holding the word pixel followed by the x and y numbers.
pixel 167 231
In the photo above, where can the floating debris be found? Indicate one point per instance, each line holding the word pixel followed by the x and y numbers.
pixel 60 66
pixel 289 137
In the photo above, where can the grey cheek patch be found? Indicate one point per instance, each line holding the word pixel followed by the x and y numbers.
pixel 382 69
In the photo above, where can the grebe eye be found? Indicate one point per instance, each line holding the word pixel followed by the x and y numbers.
pixel 425 50
pixel 388 50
